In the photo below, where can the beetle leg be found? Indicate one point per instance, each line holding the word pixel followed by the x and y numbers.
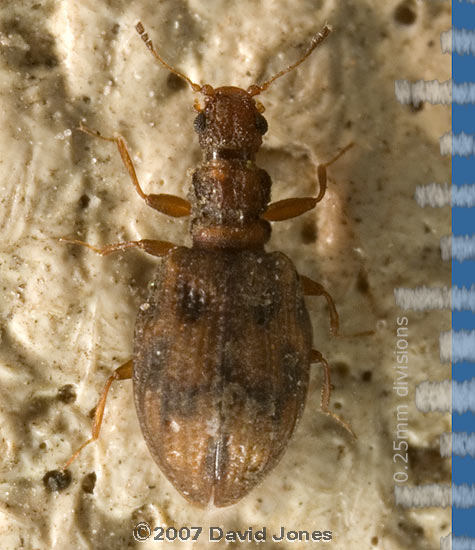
pixel 317 357
pixel 288 208
pixel 291 208
pixel 124 372
pixel 322 171
pixel 312 288
pixel 170 205
pixel 156 248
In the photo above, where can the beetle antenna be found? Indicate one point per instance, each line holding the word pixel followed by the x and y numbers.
pixel 144 36
pixel 256 89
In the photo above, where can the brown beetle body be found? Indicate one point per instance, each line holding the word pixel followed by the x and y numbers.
pixel 222 345
pixel 221 367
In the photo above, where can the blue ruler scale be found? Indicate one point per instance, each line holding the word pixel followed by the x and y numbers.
pixel 463 273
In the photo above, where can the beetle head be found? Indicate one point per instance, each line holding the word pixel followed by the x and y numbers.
pixel 231 124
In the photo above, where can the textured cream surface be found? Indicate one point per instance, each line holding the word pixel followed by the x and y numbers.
pixel 67 315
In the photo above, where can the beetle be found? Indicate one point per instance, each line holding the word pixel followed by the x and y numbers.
pixel 223 342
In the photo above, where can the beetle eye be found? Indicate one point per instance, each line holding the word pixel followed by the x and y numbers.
pixel 261 124
pixel 200 123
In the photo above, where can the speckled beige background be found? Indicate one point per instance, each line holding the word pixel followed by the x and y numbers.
pixel 67 315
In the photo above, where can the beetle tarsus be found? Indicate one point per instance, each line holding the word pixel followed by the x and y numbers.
pixel 123 372
pixel 317 357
